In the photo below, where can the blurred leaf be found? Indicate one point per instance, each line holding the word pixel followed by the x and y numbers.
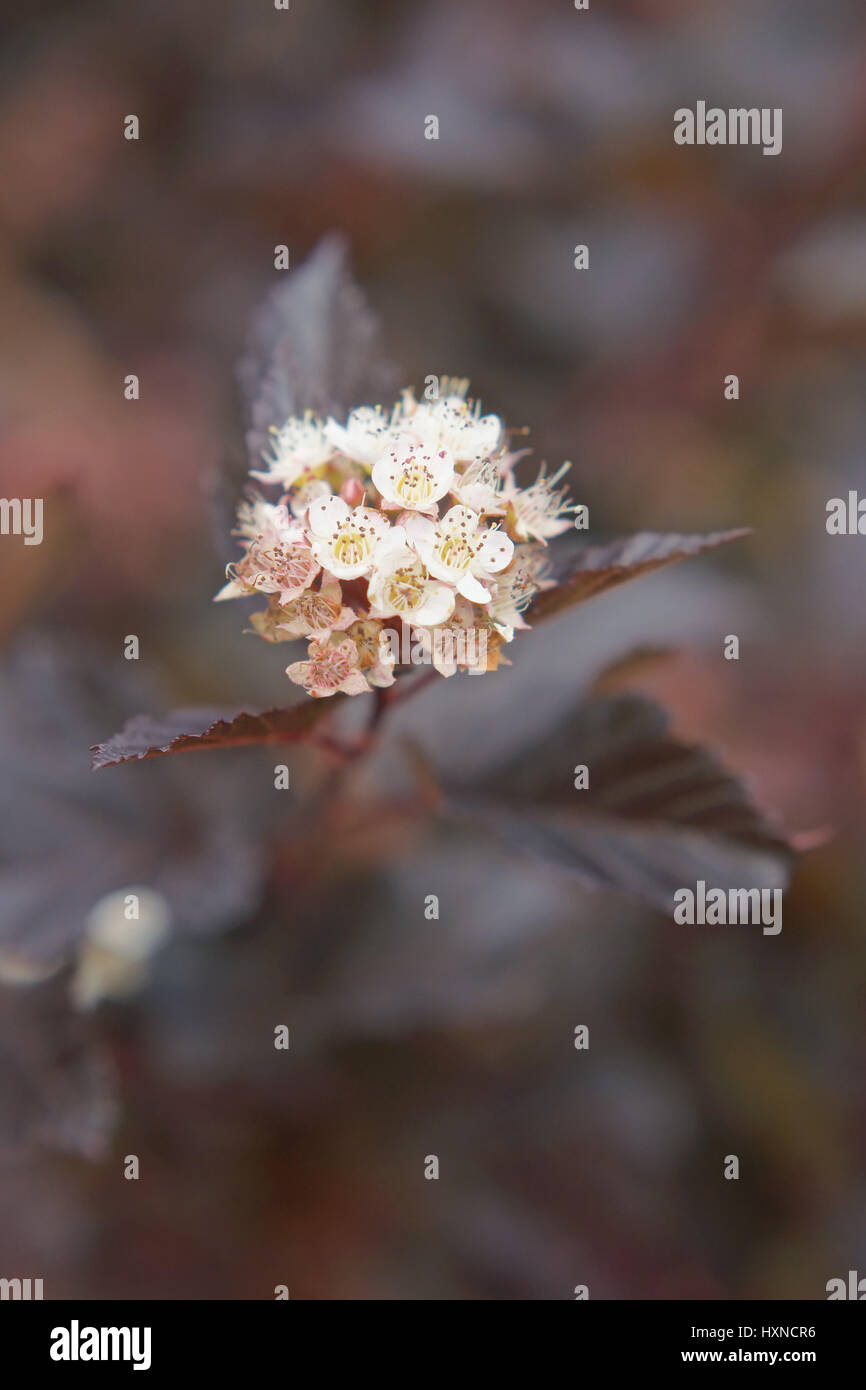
pixel 313 345
pixel 637 662
pixel 591 570
pixel 67 839
pixel 149 736
pixel 657 815
pixel 56 1087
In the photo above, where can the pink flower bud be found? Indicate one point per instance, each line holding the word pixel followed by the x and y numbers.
pixel 352 492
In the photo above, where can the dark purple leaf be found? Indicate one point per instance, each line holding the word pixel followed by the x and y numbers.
pixel 658 813
pixel 149 736
pixel 67 839
pixel 582 572
pixel 313 345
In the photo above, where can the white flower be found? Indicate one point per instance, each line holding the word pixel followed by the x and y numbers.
pixel 256 517
pixel 305 493
pixel 365 437
pixel 541 510
pixel 300 447
pixel 412 474
pixel 458 551
pixel 461 427
pixel 400 587
pixel 514 593
pixel 311 614
pixel 375 656
pixel 278 558
pixel 346 540
pixel 463 642
pixel 359 517
pixel 332 668
pixel 478 487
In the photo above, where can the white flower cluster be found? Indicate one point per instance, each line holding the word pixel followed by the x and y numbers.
pixel 411 519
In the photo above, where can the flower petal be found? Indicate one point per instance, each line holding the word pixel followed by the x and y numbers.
pixel 459 519
pixel 470 588
pixel 325 514
pixel 438 605
pixel 231 590
pixel 355 684
pixel 299 672
pixel 495 551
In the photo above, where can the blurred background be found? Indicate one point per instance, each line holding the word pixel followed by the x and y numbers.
pixel 412 1037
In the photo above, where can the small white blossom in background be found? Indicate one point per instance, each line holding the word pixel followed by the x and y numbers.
pixel 541 511
pixel 119 941
pixel 404 516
